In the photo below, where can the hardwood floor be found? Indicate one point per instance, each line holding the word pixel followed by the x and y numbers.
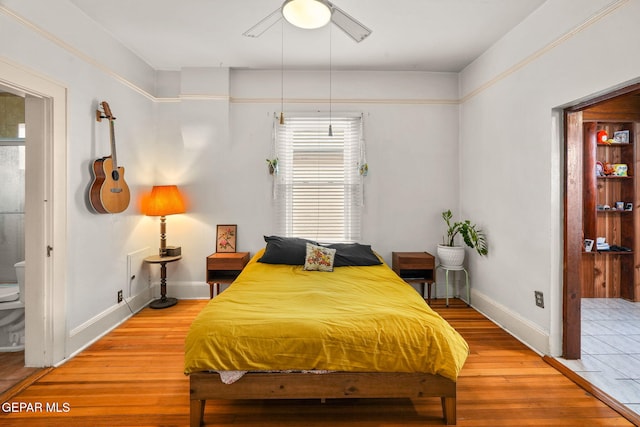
pixel 13 371
pixel 133 377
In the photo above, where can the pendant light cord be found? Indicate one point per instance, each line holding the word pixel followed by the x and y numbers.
pixel 282 73
pixel 330 78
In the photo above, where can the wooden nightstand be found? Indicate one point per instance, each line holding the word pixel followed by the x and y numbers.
pixel 415 267
pixel 224 268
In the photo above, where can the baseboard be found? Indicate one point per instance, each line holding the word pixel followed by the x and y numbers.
pixel 183 290
pixel 522 329
pixel 92 330
pixel 95 328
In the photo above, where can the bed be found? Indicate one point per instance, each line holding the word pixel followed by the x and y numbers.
pixel 294 327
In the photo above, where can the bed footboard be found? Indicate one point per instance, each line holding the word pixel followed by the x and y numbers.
pixel 337 385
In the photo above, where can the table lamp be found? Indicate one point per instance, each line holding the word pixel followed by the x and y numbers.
pixel 165 200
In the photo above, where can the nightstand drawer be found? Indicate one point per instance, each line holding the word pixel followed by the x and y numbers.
pixel 235 261
pixel 412 261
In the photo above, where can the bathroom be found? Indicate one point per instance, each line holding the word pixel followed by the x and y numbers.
pixel 12 200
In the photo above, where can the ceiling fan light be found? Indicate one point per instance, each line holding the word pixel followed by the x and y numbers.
pixel 307 14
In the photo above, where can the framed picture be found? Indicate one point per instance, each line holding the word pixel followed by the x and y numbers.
pixel 621 137
pixel 226 237
pixel 588 245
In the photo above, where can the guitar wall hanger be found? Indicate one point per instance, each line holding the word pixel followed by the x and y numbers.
pixel 100 115
pixel 109 193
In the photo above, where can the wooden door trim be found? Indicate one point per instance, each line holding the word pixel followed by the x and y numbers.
pixel 628 90
pixel 572 292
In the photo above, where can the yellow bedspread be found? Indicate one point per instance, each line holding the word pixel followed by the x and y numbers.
pixel 357 319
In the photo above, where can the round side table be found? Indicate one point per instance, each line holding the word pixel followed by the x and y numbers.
pixel 163 301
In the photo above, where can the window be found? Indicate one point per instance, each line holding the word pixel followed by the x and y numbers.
pixel 318 186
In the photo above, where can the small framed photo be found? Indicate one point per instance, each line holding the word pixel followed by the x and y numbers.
pixel 619 206
pixel 226 237
pixel 628 206
pixel 621 137
pixel 588 245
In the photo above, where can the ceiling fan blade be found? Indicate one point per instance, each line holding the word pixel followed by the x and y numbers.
pixel 352 27
pixel 266 23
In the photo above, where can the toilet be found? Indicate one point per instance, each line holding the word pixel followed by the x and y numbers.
pixel 12 313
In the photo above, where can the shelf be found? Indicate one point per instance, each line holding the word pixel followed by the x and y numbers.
pixel 607 253
pixel 614 177
pixel 418 280
pixel 222 276
pixel 616 144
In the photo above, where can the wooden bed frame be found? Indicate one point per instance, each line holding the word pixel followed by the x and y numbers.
pixel 337 385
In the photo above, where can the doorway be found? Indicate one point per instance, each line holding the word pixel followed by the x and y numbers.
pixel 12 171
pixel 619 105
pixel 45 213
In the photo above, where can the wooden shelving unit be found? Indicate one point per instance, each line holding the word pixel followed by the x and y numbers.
pixel 610 273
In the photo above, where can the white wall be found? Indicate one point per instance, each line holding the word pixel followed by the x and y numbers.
pixel 509 119
pixel 411 124
pixel 97 245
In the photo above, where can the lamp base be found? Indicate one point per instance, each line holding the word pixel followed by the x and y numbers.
pixel 164 302
pixel 173 251
pixel 170 251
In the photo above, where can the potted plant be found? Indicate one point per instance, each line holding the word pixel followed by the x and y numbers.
pixel 452 256
pixel 272 164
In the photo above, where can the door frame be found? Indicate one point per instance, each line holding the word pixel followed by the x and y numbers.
pixel 573 219
pixel 45 213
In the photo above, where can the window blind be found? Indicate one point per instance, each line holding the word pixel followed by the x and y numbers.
pixel 318 186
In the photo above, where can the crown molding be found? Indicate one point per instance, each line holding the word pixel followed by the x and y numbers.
pixel 607 10
pixel 612 7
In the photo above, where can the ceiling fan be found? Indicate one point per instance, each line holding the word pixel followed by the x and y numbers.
pixel 311 14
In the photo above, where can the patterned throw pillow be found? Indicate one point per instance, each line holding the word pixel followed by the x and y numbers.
pixel 319 258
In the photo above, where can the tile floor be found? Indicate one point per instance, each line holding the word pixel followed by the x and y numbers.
pixel 611 349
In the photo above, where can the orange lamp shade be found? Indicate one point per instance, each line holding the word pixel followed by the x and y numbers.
pixel 164 200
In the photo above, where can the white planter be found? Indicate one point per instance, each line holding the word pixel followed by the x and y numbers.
pixel 451 256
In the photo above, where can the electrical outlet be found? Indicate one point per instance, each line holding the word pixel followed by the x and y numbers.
pixel 120 296
pixel 539 299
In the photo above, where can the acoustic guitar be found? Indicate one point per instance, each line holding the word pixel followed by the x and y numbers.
pixel 109 192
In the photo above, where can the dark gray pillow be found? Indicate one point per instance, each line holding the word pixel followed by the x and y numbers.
pixel 353 254
pixel 285 250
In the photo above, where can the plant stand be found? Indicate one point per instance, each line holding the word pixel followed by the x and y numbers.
pixel 447 269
